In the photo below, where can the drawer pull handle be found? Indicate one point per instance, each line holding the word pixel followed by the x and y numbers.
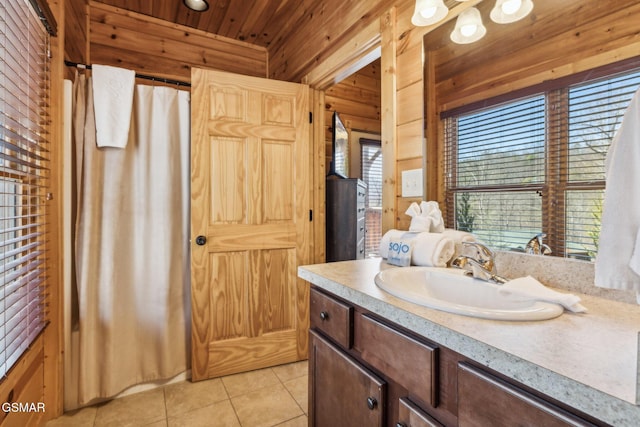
pixel 400 424
pixel 324 315
pixel 371 403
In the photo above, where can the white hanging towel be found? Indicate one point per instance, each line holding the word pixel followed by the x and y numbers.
pixel 112 104
pixel 618 260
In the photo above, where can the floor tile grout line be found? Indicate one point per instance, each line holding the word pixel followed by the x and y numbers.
pixel 166 410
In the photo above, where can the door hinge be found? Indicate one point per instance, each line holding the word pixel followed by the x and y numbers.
pixel 310 117
pixel 310 214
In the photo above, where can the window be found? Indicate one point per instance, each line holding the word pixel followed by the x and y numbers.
pixel 371 164
pixel 24 153
pixel 536 164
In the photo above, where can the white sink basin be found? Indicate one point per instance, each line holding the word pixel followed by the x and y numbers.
pixel 450 290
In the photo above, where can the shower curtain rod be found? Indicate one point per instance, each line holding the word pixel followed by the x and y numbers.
pixel 140 76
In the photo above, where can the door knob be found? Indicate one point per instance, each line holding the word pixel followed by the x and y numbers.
pixel 371 402
pixel 201 240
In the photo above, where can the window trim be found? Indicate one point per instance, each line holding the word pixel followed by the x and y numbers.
pixel 26 161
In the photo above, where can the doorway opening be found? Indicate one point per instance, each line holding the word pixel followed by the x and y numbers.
pixel 357 99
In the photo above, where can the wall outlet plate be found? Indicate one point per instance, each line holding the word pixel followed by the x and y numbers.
pixel 412 184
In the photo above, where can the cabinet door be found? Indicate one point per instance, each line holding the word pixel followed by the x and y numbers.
pixel 342 392
pixel 485 400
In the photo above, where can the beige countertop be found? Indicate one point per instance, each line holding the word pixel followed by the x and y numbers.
pixel 589 360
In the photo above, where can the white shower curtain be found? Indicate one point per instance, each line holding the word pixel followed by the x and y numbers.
pixel 132 259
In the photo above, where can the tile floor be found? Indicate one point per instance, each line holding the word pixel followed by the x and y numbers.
pixel 264 398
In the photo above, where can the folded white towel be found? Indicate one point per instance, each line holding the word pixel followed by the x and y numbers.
pixel 420 224
pixel 112 104
pixel 528 288
pixel 426 217
pixel 429 249
pixel 432 210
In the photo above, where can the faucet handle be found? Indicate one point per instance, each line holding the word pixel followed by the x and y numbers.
pixel 482 251
pixel 484 256
pixel 536 246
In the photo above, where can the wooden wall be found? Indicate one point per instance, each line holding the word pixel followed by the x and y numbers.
pixel 76 31
pixel 410 112
pixel 558 39
pixel 154 47
pixel 357 100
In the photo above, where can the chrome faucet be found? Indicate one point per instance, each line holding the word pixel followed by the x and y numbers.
pixel 535 246
pixel 481 266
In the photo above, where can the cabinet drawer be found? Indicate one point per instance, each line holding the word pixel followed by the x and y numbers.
pixel 410 415
pixel 484 399
pixel 332 317
pixel 409 362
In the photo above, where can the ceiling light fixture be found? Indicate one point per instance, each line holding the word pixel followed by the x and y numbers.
pixel 507 11
pixel 428 12
pixel 469 27
pixel 197 5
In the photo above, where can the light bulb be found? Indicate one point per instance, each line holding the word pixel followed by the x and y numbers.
pixel 468 30
pixel 510 7
pixel 428 12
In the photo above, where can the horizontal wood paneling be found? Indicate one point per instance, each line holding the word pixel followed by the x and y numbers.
pixel 75 23
pixel 409 103
pixel 410 140
pixel 410 64
pixel 163 49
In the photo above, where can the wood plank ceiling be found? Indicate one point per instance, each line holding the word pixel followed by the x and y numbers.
pixel 258 22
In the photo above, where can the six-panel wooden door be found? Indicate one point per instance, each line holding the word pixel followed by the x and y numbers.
pixel 250 225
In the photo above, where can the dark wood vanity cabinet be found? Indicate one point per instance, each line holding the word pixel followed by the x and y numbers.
pixel 345 220
pixel 486 400
pixel 366 371
pixel 362 372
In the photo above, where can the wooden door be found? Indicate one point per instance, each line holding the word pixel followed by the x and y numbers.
pixel 250 222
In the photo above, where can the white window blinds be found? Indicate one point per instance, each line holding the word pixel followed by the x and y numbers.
pixel 536 165
pixel 371 165
pixel 24 174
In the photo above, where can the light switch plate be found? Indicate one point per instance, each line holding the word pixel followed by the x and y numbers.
pixel 412 183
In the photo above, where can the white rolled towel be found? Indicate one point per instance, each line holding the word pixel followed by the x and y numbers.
pixel 458 237
pixel 388 237
pixel 429 249
pixel 432 250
